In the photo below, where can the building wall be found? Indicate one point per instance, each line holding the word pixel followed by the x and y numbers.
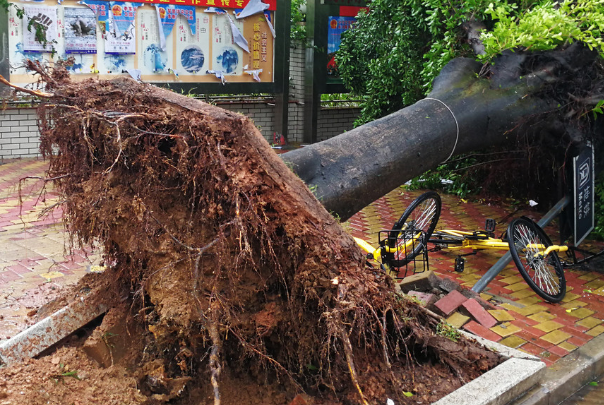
pixel 335 121
pixel 19 136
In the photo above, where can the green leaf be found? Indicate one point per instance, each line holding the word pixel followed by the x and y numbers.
pixel 593 383
pixel 407 394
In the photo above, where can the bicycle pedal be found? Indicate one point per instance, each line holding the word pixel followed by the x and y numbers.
pixel 489 225
pixel 460 263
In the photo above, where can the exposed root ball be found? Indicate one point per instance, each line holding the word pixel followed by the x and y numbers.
pixel 225 256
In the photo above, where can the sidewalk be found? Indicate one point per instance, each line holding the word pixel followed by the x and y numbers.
pixel 549 331
pixel 34 267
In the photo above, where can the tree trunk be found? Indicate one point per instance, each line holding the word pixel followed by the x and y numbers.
pixel 462 113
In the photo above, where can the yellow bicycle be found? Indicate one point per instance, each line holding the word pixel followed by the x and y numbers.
pixel 534 254
pixel 409 235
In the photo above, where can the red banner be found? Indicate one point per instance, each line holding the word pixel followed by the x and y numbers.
pixel 350 11
pixel 208 3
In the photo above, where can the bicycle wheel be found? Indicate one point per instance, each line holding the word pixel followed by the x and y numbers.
pixel 421 215
pixel 545 275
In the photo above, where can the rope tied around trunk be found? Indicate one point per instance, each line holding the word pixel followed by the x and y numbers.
pixel 456 126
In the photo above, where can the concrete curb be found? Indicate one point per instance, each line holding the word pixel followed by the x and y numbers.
pixel 518 374
pixel 48 331
pixel 568 375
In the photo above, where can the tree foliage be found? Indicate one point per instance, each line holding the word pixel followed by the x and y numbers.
pixel 395 50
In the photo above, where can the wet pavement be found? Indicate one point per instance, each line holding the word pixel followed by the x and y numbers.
pixel 528 323
pixel 35 265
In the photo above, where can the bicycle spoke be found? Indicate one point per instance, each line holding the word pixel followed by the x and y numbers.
pixel 426 214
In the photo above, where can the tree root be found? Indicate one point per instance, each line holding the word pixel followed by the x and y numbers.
pixel 215 366
pixel 24 90
pixel 350 362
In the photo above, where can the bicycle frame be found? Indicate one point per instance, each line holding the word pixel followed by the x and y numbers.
pixel 473 240
pixel 376 253
pixel 470 240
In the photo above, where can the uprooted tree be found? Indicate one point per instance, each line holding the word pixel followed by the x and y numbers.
pixel 536 88
pixel 226 261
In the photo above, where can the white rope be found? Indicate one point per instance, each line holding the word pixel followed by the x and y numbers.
pixel 456 125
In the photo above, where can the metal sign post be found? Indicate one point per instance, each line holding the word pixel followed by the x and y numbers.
pixel 583 190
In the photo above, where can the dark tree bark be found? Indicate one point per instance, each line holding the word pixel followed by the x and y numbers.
pixel 464 112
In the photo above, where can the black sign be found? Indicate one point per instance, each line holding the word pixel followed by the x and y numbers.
pixel 583 167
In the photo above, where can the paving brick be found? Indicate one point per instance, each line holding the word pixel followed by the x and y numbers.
pixel 576 333
pixel 549 358
pixel 479 314
pixel 513 341
pixel 574 304
pixel 502 315
pixel 558 350
pixel 598 330
pixel 567 346
pixel 589 322
pixel 549 326
pixel 512 280
pixel 544 344
pixel 542 317
pixel 531 309
pixel 505 329
pixel 518 286
pixel 448 284
pixel 481 331
pixel 450 302
pixel 523 293
pixel 425 299
pixel 556 337
pixel 581 313
pixel 419 282
pixel 458 320
pixel 529 301
pixel 576 341
pixel 8 276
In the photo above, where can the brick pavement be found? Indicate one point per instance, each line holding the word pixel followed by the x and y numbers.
pixel 528 323
pixel 34 267
pixel 34 263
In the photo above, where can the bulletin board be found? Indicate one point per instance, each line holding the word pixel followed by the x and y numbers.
pixel 158 41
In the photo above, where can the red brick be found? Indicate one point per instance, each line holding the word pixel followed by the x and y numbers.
pixel 449 303
pixel 527 321
pixel 19 269
pixel 557 350
pixel 548 362
pixel 532 349
pixel 426 299
pixel 479 313
pixel 529 337
pixel 576 333
pixel 543 344
pixel 481 331
pixel 548 355
pixel 576 341
pixel 534 331
pixel 8 276
pixel 570 322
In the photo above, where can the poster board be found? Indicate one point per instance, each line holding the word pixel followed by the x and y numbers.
pixel 188 54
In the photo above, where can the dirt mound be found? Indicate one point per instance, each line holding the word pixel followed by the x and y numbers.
pixel 233 274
